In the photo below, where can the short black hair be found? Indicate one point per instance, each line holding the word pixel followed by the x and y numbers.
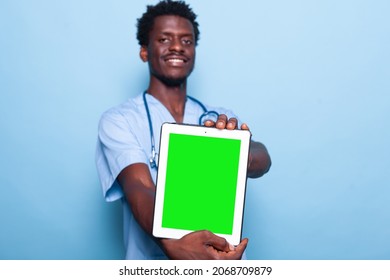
pixel 164 7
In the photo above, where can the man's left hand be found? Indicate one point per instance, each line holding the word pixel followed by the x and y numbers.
pixel 224 123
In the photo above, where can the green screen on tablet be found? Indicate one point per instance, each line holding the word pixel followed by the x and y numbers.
pixel 201 181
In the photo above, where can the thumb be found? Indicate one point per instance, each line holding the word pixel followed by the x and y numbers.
pixel 219 243
pixel 241 247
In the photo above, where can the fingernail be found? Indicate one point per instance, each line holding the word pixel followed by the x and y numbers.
pixel 231 247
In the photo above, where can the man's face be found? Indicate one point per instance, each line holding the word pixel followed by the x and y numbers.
pixel 171 50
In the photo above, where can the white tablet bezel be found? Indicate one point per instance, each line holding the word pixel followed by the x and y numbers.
pixel 242 135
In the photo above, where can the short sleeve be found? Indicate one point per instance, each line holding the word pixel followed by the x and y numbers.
pixel 117 148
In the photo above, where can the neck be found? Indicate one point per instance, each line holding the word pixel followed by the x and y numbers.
pixel 173 98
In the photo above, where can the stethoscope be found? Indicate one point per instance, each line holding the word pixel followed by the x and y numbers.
pixel 207 115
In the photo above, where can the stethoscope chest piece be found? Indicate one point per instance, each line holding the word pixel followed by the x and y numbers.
pixel 152 159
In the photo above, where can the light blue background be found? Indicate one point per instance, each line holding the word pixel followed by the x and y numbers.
pixel 311 78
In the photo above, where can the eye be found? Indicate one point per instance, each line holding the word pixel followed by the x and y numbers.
pixel 163 40
pixel 187 41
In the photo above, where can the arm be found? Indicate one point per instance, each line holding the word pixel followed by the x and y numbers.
pixel 139 189
pixel 259 160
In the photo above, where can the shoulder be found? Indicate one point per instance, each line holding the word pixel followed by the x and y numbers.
pixel 126 112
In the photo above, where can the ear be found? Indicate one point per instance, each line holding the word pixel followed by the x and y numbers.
pixel 144 53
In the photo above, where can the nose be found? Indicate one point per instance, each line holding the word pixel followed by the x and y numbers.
pixel 176 45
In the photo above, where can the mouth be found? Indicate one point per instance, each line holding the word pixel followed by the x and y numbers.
pixel 176 60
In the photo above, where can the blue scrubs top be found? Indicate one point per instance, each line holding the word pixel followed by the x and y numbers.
pixel 124 139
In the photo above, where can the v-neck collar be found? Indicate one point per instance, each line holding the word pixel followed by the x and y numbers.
pixel 153 100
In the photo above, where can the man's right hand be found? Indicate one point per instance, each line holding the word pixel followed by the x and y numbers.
pixel 202 245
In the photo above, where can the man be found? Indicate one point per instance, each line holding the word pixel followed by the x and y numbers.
pixel 168 34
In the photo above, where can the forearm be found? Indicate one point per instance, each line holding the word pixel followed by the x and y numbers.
pixel 259 160
pixel 142 208
pixel 139 190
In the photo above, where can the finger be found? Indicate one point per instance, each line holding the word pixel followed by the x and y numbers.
pixel 244 126
pixel 221 121
pixel 232 124
pixel 209 123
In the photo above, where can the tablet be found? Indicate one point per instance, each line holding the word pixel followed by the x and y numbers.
pixel 201 181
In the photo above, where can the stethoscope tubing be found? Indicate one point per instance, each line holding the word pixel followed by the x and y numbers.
pixel 152 159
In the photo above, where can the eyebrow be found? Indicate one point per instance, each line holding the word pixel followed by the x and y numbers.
pixel 181 35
